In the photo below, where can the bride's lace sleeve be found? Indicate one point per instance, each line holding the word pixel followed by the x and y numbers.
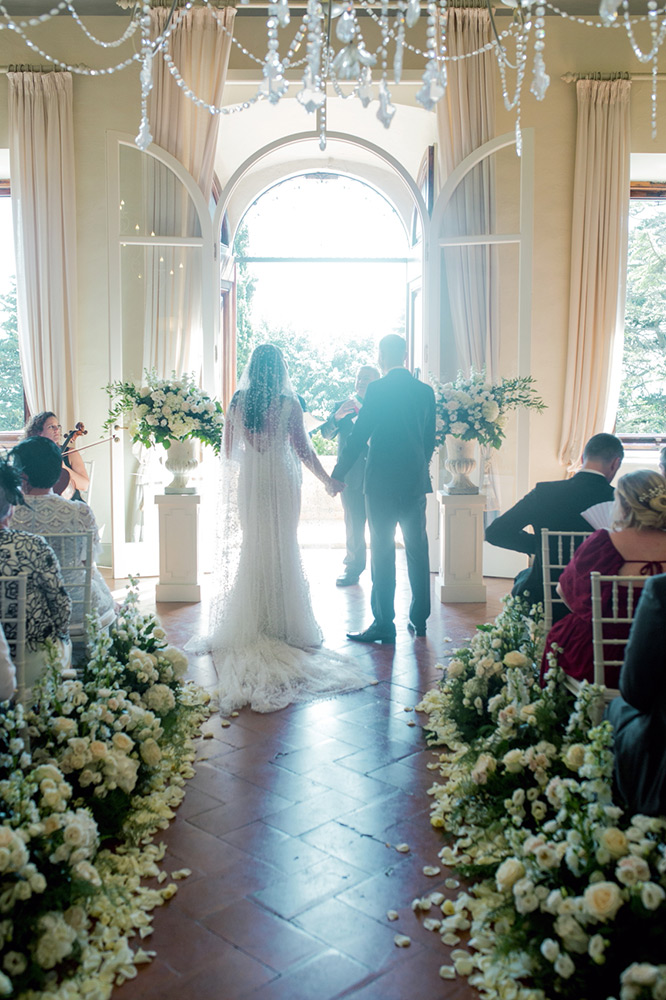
pixel 302 445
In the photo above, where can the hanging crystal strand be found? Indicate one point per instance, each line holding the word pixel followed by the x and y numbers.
pixel 434 76
pixel 657 32
pixel 353 56
pixel 274 85
pixel 386 108
pixel 144 138
pixel 313 94
pixel 399 42
pixel 608 11
pixel 540 79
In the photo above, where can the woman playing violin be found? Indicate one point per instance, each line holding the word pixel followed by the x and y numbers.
pixel 75 478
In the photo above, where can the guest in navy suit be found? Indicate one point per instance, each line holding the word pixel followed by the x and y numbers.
pixel 397 420
pixel 557 506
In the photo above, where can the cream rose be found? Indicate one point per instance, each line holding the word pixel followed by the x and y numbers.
pixel 614 841
pixel 508 873
pixel 515 659
pixel 574 756
pixel 602 900
pixel 652 895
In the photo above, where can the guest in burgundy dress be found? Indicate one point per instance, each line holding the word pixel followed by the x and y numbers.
pixel 636 545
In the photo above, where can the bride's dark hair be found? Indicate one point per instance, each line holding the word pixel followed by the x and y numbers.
pixel 267 379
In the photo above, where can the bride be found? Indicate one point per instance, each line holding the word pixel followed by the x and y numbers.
pixel 264 638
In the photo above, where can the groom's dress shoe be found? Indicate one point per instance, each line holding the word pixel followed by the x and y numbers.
pixel 419 630
pixel 346 581
pixel 373 634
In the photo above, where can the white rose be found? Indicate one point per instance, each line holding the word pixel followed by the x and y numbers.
pixel 513 761
pixel 564 966
pixel 508 873
pixel 596 947
pixel 150 753
pixel 630 870
pixel 602 900
pixel 550 949
pixel 652 895
pixel 642 974
pixel 574 756
pixel 455 668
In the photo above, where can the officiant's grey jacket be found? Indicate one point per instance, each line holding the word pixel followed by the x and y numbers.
pixel 398 420
pixel 556 506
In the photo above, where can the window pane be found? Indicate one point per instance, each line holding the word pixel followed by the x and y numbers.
pixel 11 380
pixel 642 402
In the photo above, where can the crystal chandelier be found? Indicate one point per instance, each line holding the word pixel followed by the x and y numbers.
pixel 338 56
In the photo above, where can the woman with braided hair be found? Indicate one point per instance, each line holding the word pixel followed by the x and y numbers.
pixel 635 546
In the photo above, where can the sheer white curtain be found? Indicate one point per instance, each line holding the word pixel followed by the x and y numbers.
pixel 598 262
pixel 465 121
pixel 200 48
pixel 41 150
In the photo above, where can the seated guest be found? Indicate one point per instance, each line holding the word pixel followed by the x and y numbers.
pixel 75 479
pixel 557 506
pixel 48 606
pixel 636 545
pixel 7 670
pixel 46 513
pixel 639 716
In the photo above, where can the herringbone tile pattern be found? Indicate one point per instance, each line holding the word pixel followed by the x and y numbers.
pixel 291 823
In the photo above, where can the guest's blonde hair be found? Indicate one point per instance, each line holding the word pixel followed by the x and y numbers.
pixel 640 501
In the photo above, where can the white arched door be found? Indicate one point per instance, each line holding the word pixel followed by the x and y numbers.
pixel 480 296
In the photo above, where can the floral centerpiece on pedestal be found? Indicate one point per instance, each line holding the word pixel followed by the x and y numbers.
pixel 472 409
pixel 173 412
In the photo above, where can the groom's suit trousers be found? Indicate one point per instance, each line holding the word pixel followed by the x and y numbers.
pixel 385 512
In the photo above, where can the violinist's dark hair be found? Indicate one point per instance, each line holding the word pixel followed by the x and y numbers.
pixel 39 459
pixel 10 487
pixel 267 378
pixel 35 425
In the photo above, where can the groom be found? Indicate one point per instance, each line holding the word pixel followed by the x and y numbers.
pixel 398 420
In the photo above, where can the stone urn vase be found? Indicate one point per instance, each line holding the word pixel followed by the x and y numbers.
pixel 460 461
pixel 181 461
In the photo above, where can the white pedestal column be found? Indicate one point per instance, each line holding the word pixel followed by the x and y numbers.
pixel 179 540
pixel 460 578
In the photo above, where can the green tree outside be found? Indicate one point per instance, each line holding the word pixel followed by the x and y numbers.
pixel 11 378
pixel 642 404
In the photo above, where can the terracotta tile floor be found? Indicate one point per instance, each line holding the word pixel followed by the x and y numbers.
pixel 290 823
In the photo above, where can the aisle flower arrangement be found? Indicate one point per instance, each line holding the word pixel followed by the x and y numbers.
pixel 164 410
pixel 474 409
pixel 568 895
pixel 101 760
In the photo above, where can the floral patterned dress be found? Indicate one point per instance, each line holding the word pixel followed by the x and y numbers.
pixel 48 606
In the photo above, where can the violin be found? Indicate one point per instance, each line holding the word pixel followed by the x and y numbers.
pixel 64 487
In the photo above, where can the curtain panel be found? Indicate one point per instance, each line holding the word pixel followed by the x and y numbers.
pixel 465 121
pixel 200 47
pixel 598 263
pixel 41 151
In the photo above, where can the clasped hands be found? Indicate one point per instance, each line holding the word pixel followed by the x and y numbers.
pixel 334 486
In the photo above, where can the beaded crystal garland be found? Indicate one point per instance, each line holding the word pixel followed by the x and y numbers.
pixel 337 54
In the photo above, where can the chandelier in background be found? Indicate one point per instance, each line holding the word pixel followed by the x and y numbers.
pixel 338 56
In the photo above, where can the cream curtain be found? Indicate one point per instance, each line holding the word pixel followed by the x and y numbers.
pixel 41 150
pixel 200 49
pixel 465 121
pixel 598 262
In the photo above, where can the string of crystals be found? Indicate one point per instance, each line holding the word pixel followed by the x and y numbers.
pixel 540 79
pixel 144 138
pixel 434 76
pixel 514 103
pixel 127 33
pixel 32 22
pixel 313 92
pixel 386 108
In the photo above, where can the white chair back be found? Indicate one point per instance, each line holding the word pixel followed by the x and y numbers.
pixel 625 591
pixel 12 618
pixel 557 551
pixel 74 551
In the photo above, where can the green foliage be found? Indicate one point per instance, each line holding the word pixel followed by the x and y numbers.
pixel 642 403
pixel 245 284
pixel 11 378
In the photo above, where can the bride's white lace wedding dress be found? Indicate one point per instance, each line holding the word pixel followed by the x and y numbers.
pixel 266 644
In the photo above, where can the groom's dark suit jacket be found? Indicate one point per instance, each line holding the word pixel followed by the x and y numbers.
pixel 556 506
pixel 398 419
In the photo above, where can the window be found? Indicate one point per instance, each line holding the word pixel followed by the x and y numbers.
pixel 642 404
pixel 11 381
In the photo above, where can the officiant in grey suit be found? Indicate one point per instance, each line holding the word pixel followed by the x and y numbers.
pixel 397 420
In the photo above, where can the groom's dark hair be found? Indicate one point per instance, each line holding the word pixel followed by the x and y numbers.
pixel 392 349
